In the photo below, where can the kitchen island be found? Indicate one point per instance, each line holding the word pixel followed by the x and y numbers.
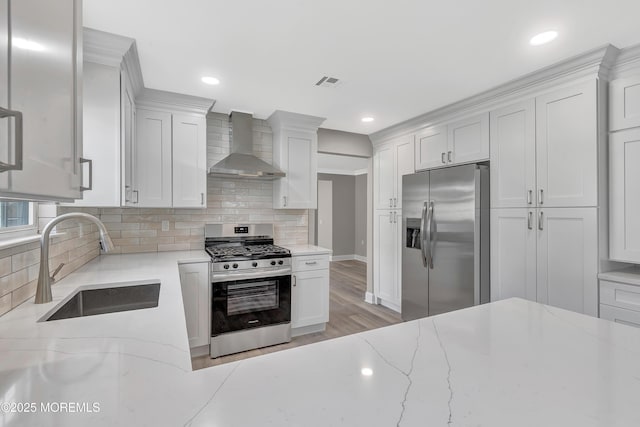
pixel 509 363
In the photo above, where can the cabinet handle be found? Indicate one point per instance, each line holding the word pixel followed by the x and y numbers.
pixel 540 221
pixel 17 115
pixel 395 202
pixel 395 217
pixel 311 262
pixel 529 196
pixel 530 221
pixel 443 159
pixel 202 199
pixel 284 201
pixel 540 198
pixel 136 193
pixel 295 280
pixel 390 202
pixel 90 187
pixel 390 217
pixel 449 156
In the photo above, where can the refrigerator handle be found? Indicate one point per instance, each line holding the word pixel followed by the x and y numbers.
pixel 430 210
pixel 423 244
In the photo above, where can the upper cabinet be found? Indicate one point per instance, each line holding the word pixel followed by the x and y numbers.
pixel 189 161
pixel 462 141
pixel 544 151
pixel 624 103
pixel 295 152
pixel 40 99
pixel 390 162
pixel 152 154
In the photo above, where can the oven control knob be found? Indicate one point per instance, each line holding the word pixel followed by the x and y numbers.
pixel 226 266
pixel 235 265
pixel 255 264
pixel 280 262
pixel 273 263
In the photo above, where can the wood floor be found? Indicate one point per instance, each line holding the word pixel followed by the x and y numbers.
pixel 348 314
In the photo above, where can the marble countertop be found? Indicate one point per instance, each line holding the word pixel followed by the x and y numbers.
pixel 307 250
pixel 630 276
pixel 506 363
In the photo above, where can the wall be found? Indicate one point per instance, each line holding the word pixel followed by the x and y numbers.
pixel 344 143
pixel 76 245
pixel 361 215
pixel 344 236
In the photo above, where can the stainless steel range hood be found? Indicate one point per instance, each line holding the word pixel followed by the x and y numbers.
pixel 241 163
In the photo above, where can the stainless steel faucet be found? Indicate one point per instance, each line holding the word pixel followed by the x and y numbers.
pixel 43 292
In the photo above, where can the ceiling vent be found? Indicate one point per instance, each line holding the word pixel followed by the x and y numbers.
pixel 327 81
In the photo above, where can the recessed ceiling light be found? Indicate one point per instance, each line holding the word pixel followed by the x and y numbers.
pixel 27 44
pixel 543 38
pixel 210 80
pixel 367 372
pixel 367 119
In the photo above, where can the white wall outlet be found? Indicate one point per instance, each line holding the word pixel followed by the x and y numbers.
pixel 165 225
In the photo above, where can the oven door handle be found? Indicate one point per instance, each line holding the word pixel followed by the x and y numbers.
pixel 217 278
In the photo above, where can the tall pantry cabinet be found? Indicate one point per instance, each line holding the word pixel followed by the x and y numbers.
pixel 544 198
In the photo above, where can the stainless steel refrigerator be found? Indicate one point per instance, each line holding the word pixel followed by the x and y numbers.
pixel 445 242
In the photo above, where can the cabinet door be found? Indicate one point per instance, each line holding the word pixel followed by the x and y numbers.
pixel 624 103
pixel 624 196
pixel 194 282
pixel 620 315
pixel 469 139
pixel 310 298
pixel 385 261
pixel 567 250
pixel 299 189
pixel 567 147
pixel 513 156
pixel 404 165
pixel 513 254
pixel 153 159
pixel 128 119
pixel 45 65
pixel 189 161
pixel 384 177
pixel 431 148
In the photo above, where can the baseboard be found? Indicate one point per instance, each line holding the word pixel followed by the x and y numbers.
pixel 370 298
pixel 200 351
pixel 343 257
pixel 320 327
pixel 390 305
pixel 360 258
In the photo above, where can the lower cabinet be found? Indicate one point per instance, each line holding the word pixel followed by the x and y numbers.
pixel 546 255
pixel 309 294
pixel 195 284
pixel 620 302
pixel 387 274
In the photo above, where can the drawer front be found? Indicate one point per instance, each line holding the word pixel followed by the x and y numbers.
pixel 620 295
pixel 620 315
pixel 310 262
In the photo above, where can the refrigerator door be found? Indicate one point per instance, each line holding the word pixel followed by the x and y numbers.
pixel 452 277
pixel 415 274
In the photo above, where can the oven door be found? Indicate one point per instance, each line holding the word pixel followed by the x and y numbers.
pixel 250 303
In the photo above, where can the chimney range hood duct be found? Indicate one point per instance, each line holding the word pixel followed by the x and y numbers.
pixel 241 163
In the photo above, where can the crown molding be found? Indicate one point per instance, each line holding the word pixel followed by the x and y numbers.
pixel 596 63
pixel 627 63
pixel 131 66
pixel 170 101
pixel 294 121
pixel 104 48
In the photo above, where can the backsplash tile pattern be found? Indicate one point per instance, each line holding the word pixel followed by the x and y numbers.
pixel 140 229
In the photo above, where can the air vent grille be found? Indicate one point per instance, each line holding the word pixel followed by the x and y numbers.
pixel 327 81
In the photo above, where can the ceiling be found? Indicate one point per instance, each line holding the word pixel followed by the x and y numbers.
pixel 395 60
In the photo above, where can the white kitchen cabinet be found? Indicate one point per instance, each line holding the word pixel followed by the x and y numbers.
pixel 195 284
pixel 547 255
pixel 620 315
pixel 624 196
pixel 39 82
pixel 295 152
pixel 390 163
pixel 431 148
pixel 513 254
pixel 387 278
pixel 620 299
pixel 567 258
pixel 567 146
pixel 309 294
pixel 513 156
pixel 462 141
pixel 189 161
pixel 128 134
pixel 624 103
pixel 152 153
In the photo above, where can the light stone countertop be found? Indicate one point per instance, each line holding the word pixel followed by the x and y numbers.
pixel 508 363
pixel 630 276
pixel 307 250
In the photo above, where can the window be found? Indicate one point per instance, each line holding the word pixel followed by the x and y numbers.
pixel 17 216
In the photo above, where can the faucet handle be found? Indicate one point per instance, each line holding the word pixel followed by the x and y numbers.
pixel 56 271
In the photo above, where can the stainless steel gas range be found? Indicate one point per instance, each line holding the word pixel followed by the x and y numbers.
pixel 250 288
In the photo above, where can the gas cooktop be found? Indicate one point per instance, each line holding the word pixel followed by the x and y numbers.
pixel 246 252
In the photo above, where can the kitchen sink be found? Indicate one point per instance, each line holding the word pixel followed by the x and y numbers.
pixel 99 299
